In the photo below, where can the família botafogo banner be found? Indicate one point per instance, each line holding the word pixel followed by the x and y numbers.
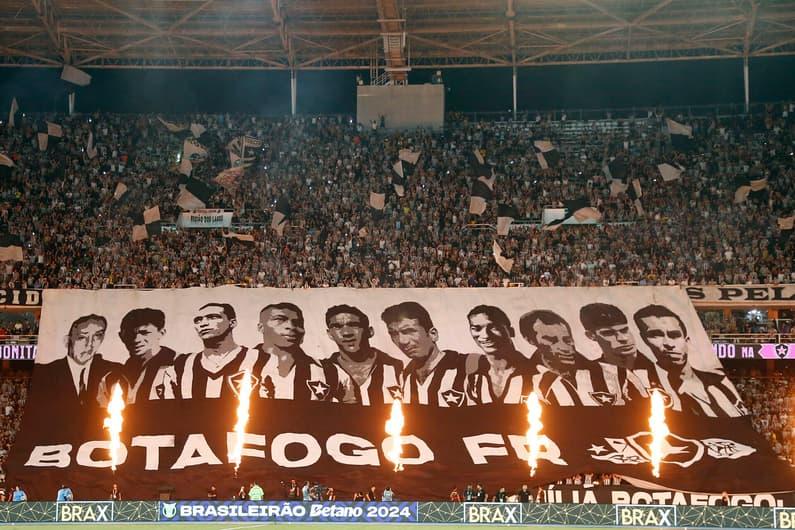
pixel 324 366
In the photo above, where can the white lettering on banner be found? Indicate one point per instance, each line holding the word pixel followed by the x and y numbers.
pixel 483 445
pixel 363 453
pixel 757 294
pixel 280 443
pixel 205 219
pixel 480 448
pixel 26 297
pixel 548 450
pixel 153 445
pixel 84 454
pixel 50 456
pixel 18 352
pixel 425 453
pixel 248 439
pixel 588 497
pixel 195 453
pixel 491 444
pixel 606 494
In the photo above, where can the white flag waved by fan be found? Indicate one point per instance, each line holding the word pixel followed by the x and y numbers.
pixel 506 264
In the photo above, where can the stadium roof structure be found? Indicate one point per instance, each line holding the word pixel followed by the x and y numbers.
pixel 394 35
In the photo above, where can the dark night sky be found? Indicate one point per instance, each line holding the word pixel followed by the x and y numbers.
pixel 332 92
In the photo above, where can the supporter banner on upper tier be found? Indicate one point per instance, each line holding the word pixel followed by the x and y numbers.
pixel 629 494
pixel 746 295
pixel 21 297
pixel 553 214
pixel 766 350
pixel 17 352
pixel 205 219
pixel 461 360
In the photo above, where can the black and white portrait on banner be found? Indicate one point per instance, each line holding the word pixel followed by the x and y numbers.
pixel 460 349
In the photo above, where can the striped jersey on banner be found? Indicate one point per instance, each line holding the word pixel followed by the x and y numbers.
pixel 702 393
pixel 590 384
pixel 383 385
pixel 307 380
pixel 197 378
pixel 147 381
pixel 480 390
pixel 443 387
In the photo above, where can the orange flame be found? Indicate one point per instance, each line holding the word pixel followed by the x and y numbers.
pixel 394 426
pixel 243 403
pixel 533 431
pixel 659 430
pixel 114 422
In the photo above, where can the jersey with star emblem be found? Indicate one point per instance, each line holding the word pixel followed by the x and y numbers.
pixel 519 384
pixel 308 380
pixel 194 380
pixel 589 384
pixel 385 382
pixel 701 393
pixel 445 386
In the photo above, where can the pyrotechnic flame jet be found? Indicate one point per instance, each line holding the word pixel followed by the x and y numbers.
pixel 533 431
pixel 243 403
pixel 659 430
pixel 113 424
pixel 394 426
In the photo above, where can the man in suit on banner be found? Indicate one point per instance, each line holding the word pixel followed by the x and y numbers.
pixel 77 385
pixel 75 380
pixel 377 376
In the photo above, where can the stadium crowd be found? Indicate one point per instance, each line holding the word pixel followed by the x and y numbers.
pixel 13 394
pixel 15 326
pixel 75 234
pixel 771 401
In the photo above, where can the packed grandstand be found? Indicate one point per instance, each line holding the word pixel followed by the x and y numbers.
pixel 691 231
pixel 76 229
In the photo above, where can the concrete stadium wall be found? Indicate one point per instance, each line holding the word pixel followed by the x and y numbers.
pixel 403 107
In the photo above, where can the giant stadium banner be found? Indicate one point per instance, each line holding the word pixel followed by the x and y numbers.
pixel 324 366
